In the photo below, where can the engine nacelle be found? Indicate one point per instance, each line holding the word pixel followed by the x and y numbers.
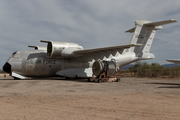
pixel 99 67
pixel 38 47
pixel 61 49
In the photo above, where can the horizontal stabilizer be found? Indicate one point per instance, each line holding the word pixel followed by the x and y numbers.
pixel 147 56
pixel 161 22
pixel 131 30
pixel 174 60
pixel 157 25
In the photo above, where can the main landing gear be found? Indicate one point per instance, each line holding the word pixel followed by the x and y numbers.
pixel 105 78
pixel 105 71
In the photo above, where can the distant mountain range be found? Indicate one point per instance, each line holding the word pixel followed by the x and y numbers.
pixel 170 65
pixel 126 67
pixel 165 65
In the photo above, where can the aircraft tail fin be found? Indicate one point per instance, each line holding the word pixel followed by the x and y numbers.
pixel 144 32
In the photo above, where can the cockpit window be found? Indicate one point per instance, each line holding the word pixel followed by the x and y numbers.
pixel 14 53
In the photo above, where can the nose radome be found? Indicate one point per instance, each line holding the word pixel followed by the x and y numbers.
pixel 7 67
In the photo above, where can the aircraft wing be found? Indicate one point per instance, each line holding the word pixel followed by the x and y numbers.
pixel 100 53
pixel 72 50
pixel 174 60
pixel 105 49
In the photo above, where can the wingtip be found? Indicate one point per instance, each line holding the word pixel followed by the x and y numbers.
pixel 174 20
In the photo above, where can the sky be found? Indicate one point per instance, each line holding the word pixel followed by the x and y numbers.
pixel 89 23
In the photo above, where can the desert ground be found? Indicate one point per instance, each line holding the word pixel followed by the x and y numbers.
pixel 59 99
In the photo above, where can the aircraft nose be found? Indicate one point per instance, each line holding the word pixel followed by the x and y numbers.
pixel 7 67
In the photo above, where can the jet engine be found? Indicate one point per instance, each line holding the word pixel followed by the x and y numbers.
pixel 109 67
pixel 61 49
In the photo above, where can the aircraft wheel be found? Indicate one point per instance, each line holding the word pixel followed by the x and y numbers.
pixel 118 80
pixel 89 79
pixel 99 80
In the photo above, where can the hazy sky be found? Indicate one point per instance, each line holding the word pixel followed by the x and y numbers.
pixel 90 23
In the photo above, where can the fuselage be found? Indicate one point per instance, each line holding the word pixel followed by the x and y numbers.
pixel 36 63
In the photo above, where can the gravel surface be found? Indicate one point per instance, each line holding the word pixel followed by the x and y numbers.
pixel 58 99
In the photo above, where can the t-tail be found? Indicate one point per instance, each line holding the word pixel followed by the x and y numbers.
pixel 144 32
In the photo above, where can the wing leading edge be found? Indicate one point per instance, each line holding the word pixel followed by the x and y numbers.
pixel 121 47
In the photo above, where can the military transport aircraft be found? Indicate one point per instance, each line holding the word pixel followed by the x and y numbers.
pixel 72 61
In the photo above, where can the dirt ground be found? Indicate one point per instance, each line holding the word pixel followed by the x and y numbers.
pixel 58 99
